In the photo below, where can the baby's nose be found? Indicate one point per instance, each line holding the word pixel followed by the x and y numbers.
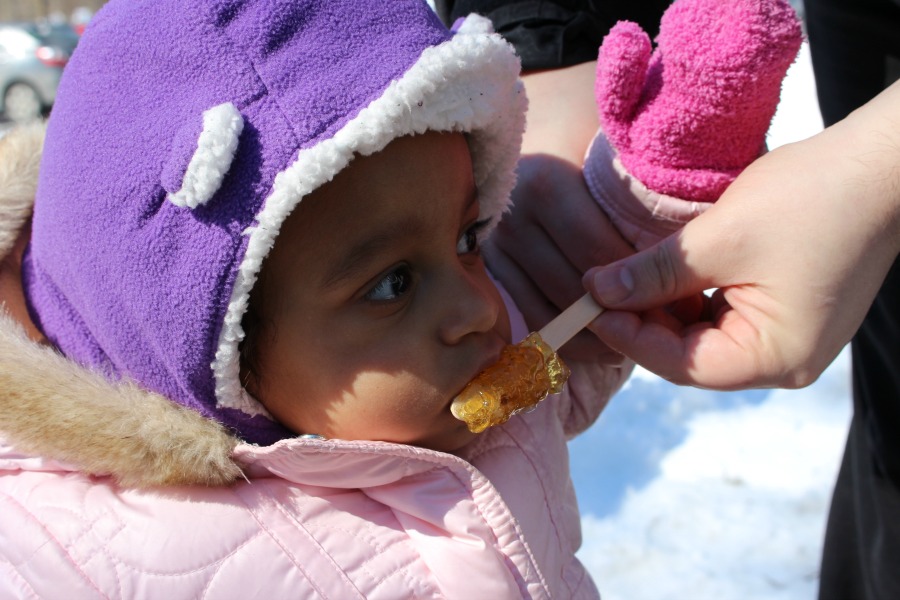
pixel 473 306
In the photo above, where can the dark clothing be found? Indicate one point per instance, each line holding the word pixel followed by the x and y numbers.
pixel 862 543
pixel 855 47
pixel 550 34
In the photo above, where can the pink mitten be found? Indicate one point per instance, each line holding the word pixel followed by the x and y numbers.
pixel 685 119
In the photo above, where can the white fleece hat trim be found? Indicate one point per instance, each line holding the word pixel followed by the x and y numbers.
pixel 468 84
pixel 216 145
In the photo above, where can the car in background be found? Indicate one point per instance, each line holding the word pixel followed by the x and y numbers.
pixel 32 57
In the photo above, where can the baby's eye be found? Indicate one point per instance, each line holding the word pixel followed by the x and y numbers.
pixel 391 286
pixel 468 242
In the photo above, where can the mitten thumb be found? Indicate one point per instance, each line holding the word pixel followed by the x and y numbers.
pixel 621 72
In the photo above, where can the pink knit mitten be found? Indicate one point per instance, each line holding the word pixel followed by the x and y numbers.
pixel 685 119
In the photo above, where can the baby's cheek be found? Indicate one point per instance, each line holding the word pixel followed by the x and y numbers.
pixel 503 325
pixel 385 406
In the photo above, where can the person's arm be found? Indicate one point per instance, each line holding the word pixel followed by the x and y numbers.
pixel 555 230
pixel 797 247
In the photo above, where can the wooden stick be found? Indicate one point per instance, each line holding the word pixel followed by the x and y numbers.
pixel 570 321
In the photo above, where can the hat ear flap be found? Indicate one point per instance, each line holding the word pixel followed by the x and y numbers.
pixel 193 184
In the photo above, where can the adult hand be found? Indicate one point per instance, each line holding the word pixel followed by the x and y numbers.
pixel 555 230
pixel 797 248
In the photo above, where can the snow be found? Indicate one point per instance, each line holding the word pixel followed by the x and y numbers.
pixel 689 493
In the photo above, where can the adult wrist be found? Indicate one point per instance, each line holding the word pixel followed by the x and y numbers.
pixel 865 149
pixel 562 113
pixel 880 124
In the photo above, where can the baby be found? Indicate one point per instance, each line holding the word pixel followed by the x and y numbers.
pixel 374 307
pixel 255 245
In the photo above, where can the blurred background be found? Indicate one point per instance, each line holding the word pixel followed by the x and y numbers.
pixel 37 38
pixel 32 10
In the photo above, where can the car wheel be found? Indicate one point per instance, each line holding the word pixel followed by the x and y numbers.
pixel 21 103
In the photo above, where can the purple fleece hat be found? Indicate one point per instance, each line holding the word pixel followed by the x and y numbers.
pixel 185 132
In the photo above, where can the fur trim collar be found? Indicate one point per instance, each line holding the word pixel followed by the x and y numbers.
pixel 52 407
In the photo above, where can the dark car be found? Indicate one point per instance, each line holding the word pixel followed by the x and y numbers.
pixel 32 57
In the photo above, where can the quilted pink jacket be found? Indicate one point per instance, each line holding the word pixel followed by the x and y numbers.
pixel 107 491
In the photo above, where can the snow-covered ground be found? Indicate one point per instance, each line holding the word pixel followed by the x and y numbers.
pixel 689 493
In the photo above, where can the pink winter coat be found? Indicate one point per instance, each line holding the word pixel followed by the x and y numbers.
pixel 108 491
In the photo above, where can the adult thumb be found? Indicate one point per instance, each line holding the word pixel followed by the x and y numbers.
pixel 649 279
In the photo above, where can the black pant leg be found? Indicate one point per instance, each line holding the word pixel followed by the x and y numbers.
pixel 855 47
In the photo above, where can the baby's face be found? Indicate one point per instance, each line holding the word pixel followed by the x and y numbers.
pixel 376 305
